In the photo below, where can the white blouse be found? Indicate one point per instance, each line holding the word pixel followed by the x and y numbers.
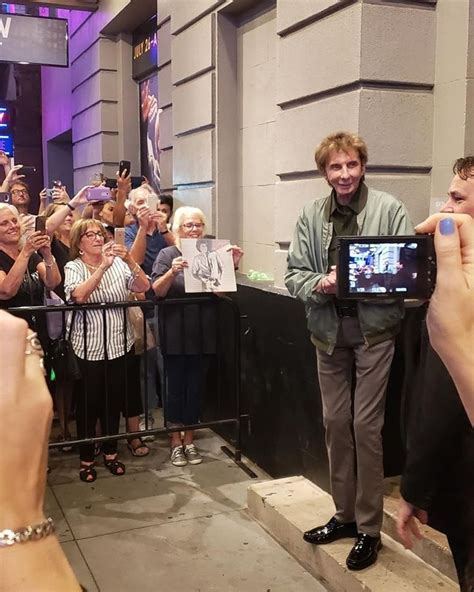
pixel 114 286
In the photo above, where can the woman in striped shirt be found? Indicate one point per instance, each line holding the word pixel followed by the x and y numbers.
pixel 101 339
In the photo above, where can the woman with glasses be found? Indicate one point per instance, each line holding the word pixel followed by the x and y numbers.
pixel 102 272
pixel 187 337
pixel 26 268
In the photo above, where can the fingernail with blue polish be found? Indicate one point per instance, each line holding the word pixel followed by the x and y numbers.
pixel 446 226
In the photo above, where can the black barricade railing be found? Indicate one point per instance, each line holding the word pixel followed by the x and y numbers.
pixel 204 327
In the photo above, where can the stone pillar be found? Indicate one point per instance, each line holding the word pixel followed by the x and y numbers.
pixel 453 129
pixel 104 97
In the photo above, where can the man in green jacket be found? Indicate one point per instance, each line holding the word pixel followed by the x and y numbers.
pixel 346 332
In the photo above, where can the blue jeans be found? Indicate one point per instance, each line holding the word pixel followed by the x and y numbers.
pixel 185 377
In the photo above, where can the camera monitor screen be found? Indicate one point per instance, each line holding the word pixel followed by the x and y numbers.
pixel 386 267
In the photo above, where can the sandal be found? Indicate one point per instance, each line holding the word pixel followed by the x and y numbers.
pixel 141 449
pixel 87 473
pixel 115 466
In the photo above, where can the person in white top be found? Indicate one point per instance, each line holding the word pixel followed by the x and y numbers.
pixel 101 272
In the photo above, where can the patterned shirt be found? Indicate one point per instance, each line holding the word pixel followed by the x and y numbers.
pixel 113 287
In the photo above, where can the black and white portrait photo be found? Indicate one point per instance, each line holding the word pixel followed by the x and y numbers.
pixel 210 265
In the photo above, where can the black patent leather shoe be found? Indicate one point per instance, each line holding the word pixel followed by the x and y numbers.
pixel 332 531
pixel 364 552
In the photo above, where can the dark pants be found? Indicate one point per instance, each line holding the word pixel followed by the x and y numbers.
pixel 185 378
pixel 100 396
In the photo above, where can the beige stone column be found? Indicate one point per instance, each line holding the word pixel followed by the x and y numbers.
pixel 453 126
pixel 104 97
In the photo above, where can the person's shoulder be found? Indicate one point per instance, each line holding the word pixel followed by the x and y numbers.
pixel 382 196
pixel 75 265
pixel 169 252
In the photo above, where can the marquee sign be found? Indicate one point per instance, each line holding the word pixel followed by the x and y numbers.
pixel 145 51
pixel 33 40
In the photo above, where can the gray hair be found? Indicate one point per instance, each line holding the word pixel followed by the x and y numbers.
pixel 12 209
pixel 186 212
pixel 137 192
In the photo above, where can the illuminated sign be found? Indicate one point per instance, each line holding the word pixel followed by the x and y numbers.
pixel 6 145
pixel 33 40
pixel 145 51
pixel 6 134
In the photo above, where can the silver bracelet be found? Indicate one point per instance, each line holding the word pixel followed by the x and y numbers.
pixel 33 532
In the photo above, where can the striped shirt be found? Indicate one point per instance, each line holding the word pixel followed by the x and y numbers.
pixel 114 287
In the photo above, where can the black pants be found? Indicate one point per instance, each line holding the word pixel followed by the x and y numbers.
pixel 100 396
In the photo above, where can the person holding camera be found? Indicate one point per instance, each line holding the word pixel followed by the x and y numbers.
pixel 102 272
pixel 437 485
pixel 344 333
pixel 25 269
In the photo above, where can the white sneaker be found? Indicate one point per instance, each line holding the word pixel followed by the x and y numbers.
pixel 177 457
pixel 151 424
pixel 192 455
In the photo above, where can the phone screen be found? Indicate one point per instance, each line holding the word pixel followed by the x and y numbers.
pixel 40 224
pixel 119 236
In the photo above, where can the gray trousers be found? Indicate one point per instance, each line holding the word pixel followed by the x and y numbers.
pixel 353 427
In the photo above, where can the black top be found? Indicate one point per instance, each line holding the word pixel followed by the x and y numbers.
pixel 184 328
pixel 30 293
pixel 60 252
pixel 439 471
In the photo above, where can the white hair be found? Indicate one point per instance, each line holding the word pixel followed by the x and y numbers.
pixel 12 209
pixel 138 192
pixel 186 212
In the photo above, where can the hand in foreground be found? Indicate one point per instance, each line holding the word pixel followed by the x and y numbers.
pixel 406 523
pixel 451 312
pixel 25 408
pixel 237 254
pixel 178 264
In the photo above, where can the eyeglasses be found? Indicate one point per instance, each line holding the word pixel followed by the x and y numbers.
pixel 19 192
pixel 191 225
pixel 91 234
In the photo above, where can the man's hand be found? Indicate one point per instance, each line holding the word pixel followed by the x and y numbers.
pixel 327 285
pixel 124 182
pixel 159 218
pixel 406 523
pixel 13 176
pixel 143 216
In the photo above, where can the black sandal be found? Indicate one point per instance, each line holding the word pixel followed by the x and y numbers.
pixel 134 450
pixel 87 473
pixel 114 465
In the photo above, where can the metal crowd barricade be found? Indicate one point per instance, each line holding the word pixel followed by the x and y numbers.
pixel 232 363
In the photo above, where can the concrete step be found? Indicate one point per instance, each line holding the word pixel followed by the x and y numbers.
pixel 287 507
pixel 433 548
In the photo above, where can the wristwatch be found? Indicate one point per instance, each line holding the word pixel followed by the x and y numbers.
pixel 164 232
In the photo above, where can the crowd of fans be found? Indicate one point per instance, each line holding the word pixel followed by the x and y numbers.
pixel 86 252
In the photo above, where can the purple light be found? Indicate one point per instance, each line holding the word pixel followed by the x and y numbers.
pixel 44 11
